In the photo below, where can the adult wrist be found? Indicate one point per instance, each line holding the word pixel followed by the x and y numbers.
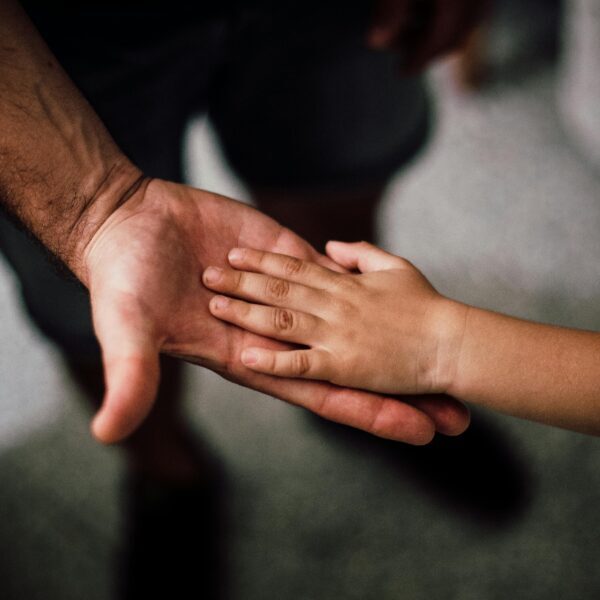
pixel 104 195
pixel 61 173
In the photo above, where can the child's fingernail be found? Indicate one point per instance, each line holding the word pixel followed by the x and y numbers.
pixel 249 357
pixel 220 302
pixel 213 274
pixel 236 254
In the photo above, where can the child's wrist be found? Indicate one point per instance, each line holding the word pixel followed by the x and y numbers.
pixel 446 323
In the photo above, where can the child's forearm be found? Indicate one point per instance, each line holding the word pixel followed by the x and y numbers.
pixel 528 370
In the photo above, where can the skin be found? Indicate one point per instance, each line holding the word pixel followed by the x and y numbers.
pixel 148 297
pixel 385 328
pixel 140 246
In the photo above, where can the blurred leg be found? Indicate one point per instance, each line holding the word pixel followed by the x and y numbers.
pixel 314 122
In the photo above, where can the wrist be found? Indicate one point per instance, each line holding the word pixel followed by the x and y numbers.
pixel 104 193
pixel 447 321
pixel 61 173
pixel 463 368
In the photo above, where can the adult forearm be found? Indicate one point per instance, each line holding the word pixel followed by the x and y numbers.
pixel 61 173
pixel 533 371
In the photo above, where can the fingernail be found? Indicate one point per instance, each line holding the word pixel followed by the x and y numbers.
pixel 212 274
pixel 235 255
pixel 249 357
pixel 220 302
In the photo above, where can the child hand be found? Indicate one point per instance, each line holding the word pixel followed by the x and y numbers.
pixel 385 329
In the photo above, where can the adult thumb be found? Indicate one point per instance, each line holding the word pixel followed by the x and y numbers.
pixel 131 371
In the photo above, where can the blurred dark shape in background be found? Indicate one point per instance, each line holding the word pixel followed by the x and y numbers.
pixel 516 40
pixel 476 475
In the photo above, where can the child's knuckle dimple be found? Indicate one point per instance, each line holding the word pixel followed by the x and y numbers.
pixel 343 309
pixel 347 284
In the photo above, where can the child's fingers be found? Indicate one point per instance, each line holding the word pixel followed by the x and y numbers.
pixel 263 288
pixel 278 323
pixel 282 266
pixel 308 364
pixel 364 257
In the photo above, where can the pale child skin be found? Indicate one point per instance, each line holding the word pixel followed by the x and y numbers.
pixel 383 327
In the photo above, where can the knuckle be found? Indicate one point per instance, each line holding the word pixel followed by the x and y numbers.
pixel 332 305
pixel 271 362
pixel 293 266
pixel 238 281
pixel 260 259
pixel 241 309
pixel 300 363
pixel 338 306
pixel 277 289
pixel 283 320
pixel 377 425
pixel 348 284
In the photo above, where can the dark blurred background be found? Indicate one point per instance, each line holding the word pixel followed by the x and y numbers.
pixel 501 211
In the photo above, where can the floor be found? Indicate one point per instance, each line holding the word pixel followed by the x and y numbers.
pixel 501 212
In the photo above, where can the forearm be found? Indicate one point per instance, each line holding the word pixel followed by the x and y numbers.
pixel 61 174
pixel 528 370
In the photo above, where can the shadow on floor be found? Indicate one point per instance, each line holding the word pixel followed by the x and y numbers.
pixel 74 525
pixel 477 475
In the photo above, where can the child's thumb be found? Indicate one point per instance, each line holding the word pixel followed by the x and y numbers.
pixel 363 256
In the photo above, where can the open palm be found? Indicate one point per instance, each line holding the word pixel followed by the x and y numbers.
pixel 144 269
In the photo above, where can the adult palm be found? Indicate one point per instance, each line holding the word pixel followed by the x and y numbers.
pixel 143 268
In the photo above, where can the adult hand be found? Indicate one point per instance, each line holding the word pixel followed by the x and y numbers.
pixel 143 268
pixel 140 247
pixel 423 30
